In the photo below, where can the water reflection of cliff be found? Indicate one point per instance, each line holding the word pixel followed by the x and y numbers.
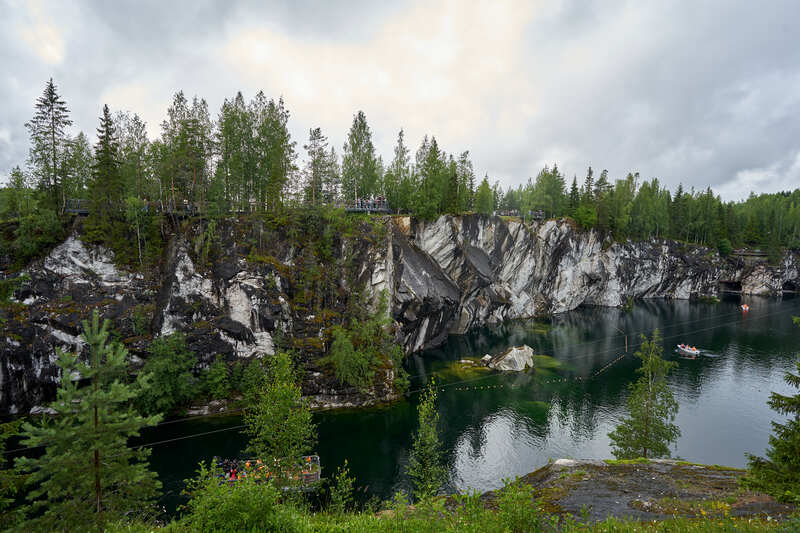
pixel 503 431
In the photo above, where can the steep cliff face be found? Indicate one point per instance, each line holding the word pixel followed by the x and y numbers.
pixel 441 277
pixel 462 272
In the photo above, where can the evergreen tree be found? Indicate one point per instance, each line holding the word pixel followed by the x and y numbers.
pixel 466 182
pixel 425 465
pixel 432 180
pixel 359 164
pixel 316 167
pixel 10 480
pixel 574 195
pixel 106 188
pixel 648 431
pixel 779 473
pixel 484 200
pixel 88 476
pixel 397 177
pixel 587 196
pixel 49 145
pixel 279 422
pixel 450 203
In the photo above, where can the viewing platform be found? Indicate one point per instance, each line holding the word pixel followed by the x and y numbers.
pixel 369 207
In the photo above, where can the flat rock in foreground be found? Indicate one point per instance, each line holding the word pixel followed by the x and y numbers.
pixel 652 490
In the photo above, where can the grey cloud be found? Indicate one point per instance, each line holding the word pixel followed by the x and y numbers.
pixel 699 93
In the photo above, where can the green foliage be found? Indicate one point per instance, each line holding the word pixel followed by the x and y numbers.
pixel 49 144
pixel 243 506
pixel 141 315
pixel 10 481
pixel 17 199
pixel 366 345
pixel 360 169
pixel 484 203
pixel 169 369
pixel 425 464
pixel 779 473
pixel 353 367
pixel 278 421
pixel 216 380
pixel 88 475
pixel 254 379
pixel 205 241
pixel 341 491
pixel 9 285
pixel 106 188
pixel 36 234
pixel 586 216
pixel 648 431
pixel 725 247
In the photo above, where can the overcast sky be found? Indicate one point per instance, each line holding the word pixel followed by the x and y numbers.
pixel 705 93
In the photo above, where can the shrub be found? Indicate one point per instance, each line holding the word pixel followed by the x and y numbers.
pixel 350 365
pixel 241 506
pixel 36 234
pixel 216 384
pixel 725 247
pixel 171 383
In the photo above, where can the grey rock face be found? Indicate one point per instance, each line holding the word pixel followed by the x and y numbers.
pixel 441 277
pixel 482 270
pixel 515 359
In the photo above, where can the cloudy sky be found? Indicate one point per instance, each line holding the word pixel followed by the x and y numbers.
pixel 705 93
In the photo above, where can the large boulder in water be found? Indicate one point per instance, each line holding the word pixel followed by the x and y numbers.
pixel 516 359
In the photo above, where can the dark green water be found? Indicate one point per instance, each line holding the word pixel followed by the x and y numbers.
pixel 498 426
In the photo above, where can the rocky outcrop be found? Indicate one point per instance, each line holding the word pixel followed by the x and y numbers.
pixel 441 277
pixel 515 359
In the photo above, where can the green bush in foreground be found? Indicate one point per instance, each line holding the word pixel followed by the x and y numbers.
pixel 245 505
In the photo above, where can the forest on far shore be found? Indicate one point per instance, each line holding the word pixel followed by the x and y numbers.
pixel 245 160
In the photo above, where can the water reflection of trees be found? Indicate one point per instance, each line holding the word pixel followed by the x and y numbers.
pixel 585 340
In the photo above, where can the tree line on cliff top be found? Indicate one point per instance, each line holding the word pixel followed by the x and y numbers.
pixel 246 160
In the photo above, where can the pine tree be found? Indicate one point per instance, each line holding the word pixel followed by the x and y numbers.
pixel 648 431
pixel 587 196
pixel 106 188
pixel 279 422
pixel 88 476
pixel 425 465
pixel 574 195
pixel 397 176
pixel 779 473
pixel 49 145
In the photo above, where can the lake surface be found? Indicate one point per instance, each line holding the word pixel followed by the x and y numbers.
pixel 497 426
